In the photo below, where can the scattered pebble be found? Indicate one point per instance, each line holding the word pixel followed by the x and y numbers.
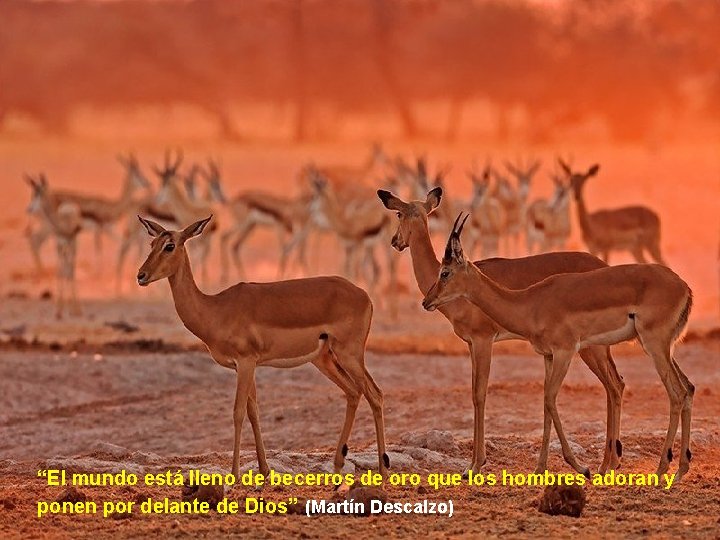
pixel 562 500
pixel 73 495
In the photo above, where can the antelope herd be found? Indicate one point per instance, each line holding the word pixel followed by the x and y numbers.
pixel 560 301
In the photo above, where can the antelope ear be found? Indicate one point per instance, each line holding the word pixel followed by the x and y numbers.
pixel 30 181
pixel 195 229
pixel 433 199
pixel 390 201
pixel 592 171
pixel 153 229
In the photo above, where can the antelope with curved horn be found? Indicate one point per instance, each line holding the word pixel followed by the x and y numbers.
pixel 479 330
pixel 566 312
pixel 322 320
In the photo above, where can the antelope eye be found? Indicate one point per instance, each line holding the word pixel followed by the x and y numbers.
pixel 445 274
pixel 169 247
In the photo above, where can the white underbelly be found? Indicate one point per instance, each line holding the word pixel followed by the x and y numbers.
pixel 624 333
pixel 262 218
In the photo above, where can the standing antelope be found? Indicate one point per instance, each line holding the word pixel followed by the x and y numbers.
pixel 632 228
pixel 507 195
pixel 360 227
pixel 252 209
pixel 547 223
pixel 322 320
pixel 488 216
pixel 98 213
pixel 480 330
pixel 65 222
pixel 133 234
pixel 515 200
pixel 172 196
pixel 566 312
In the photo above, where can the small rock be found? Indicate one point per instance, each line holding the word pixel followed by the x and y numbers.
pixel 434 439
pixel 365 495
pixel 297 508
pixel 209 494
pixel 72 495
pixel 121 515
pixel 113 450
pixel 562 500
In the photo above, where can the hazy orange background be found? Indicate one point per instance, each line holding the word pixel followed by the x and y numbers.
pixel 268 86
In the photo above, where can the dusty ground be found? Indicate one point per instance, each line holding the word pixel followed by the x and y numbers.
pixel 173 410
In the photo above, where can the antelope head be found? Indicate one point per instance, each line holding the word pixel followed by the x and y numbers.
pixel 577 179
pixel 168 175
pixel 412 216
pixel 453 279
pixel 213 177
pixel 524 175
pixel 39 187
pixel 136 178
pixel 167 251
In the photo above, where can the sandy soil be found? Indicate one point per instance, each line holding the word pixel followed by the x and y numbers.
pixel 147 412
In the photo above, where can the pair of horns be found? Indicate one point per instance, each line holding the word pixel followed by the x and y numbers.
pixel 453 249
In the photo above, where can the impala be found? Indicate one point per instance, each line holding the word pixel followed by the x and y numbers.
pixel 480 330
pixel 547 222
pixel 285 324
pixel 632 228
pixel 98 213
pixel 567 312
pixel 65 222
pixel 488 215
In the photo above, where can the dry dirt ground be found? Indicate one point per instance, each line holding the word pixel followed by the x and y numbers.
pixel 90 407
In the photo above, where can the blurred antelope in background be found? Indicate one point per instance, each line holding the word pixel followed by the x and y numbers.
pixel 514 201
pixel 183 209
pixel 98 213
pixel 251 209
pixel 64 220
pixel 359 226
pixel 134 233
pixel 548 221
pixel 488 215
pixel 632 228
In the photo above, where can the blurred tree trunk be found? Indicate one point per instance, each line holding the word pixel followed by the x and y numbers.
pixel 381 52
pixel 298 42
